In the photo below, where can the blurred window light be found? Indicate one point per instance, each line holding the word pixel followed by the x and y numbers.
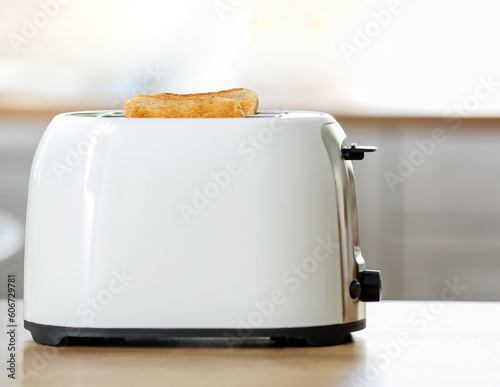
pixel 382 57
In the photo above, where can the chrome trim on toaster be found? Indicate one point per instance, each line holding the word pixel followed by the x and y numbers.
pixel 350 253
pixel 359 260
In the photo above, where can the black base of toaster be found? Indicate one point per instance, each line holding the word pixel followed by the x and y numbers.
pixel 315 336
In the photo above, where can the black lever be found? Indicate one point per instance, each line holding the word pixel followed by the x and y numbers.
pixel 356 152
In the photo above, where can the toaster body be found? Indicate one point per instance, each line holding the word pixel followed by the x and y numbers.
pixel 235 227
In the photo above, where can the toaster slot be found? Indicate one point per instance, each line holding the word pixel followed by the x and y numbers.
pixel 121 114
pixel 106 114
pixel 116 114
pixel 266 115
pixel 88 114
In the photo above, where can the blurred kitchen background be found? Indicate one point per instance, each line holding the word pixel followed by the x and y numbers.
pixel 418 79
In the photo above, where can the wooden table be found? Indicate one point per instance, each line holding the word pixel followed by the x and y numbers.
pixel 427 343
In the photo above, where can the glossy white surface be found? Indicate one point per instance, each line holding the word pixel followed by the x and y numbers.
pixel 111 241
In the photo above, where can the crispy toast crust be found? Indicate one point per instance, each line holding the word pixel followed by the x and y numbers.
pixel 219 104
pixel 153 106
pixel 247 98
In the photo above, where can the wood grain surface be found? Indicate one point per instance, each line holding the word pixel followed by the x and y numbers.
pixel 428 343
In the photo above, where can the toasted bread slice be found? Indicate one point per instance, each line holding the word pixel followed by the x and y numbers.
pixel 176 106
pixel 247 98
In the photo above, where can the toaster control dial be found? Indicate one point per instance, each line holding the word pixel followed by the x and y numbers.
pixel 370 282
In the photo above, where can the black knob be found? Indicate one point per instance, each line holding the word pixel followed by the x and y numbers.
pixel 355 290
pixel 371 285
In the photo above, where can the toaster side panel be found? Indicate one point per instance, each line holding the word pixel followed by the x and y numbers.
pixel 59 227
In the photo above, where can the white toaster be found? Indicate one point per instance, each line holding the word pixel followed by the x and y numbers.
pixel 166 227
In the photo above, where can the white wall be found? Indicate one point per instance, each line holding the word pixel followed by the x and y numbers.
pixel 381 57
